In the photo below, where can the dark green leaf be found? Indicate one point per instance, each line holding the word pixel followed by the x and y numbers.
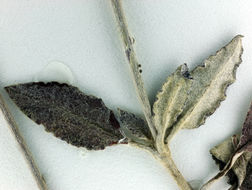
pixel 134 128
pixel 79 119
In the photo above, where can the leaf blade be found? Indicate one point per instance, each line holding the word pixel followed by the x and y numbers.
pixel 246 134
pixel 220 68
pixel 237 154
pixel 224 152
pixel 209 85
pixel 135 128
pixel 74 117
pixel 170 100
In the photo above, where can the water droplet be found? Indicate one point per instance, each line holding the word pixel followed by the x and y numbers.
pixel 55 71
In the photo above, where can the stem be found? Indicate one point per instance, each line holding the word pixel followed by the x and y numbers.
pixel 131 57
pixel 166 158
pixel 175 173
pixel 162 152
pixel 14 128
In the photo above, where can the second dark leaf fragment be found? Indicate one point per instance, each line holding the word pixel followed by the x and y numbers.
pixel 135 128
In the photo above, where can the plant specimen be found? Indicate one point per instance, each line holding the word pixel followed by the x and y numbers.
pixel 185 100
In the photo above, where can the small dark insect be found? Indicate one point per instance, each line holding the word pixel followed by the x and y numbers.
pixel 139 65
pixel 185 71
pixel 140 70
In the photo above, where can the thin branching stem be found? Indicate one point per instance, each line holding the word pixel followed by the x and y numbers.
pixel 164 156
pixel 161 151
pixel 14 128
pixel 134 65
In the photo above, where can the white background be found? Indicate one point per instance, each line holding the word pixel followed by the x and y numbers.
pixel 83 35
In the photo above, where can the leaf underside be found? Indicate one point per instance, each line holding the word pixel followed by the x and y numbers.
pixel 236 153
pixel 223 152
pixel 134 128
pixel 207 87
pixel 77 118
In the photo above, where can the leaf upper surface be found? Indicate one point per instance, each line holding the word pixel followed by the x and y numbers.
pixel 186 99
pixel 210 82
pixel 79 119
pixel 208 86
pixel 170 100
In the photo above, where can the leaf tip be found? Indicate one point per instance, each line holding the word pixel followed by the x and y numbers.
pixel 239 36
pixel 237 40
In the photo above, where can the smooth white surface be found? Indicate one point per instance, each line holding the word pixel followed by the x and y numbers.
pixel 83 35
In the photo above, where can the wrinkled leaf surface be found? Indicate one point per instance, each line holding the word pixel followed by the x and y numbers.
pixel 77 118
pixel 209 85
pixel 170 100
pixel 187 99
pixel 134 128
pixel 237 155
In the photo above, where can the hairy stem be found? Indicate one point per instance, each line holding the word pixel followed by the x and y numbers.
pixel 166 158
pixel 131 57
pixel 14 128
pixel 175 173
pixel 161 153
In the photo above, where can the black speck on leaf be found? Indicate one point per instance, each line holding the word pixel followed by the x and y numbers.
pixel 79 119
pixel 185 71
